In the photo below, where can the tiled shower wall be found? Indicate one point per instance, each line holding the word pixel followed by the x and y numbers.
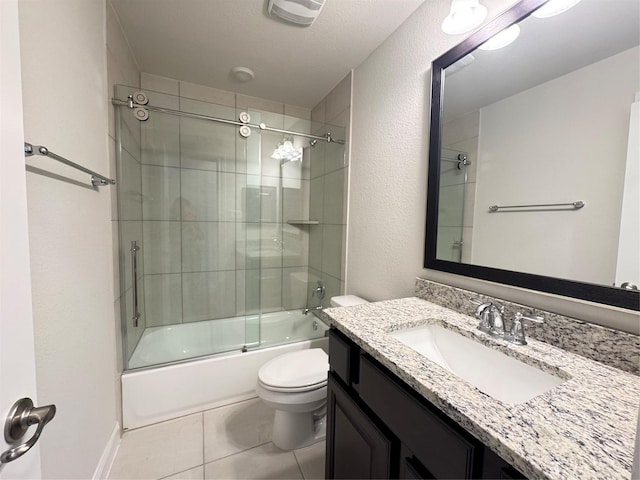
pixel 210 256
pixel 329 182
pixel 215 206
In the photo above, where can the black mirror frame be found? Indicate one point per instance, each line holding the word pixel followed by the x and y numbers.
pixel 618 297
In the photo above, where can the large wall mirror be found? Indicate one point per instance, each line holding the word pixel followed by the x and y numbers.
pixel 535 152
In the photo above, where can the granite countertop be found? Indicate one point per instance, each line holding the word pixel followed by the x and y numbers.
pixel 583 428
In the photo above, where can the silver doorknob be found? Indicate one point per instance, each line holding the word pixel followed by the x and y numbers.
pixel 629 286
pixel 21 416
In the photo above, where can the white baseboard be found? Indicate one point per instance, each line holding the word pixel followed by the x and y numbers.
pixel 108 456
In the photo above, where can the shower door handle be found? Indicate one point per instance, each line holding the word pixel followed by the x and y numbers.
pixel 134 281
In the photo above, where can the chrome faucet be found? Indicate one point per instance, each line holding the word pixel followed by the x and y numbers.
pixel 319 292
pixel 491 322
pixel 495 320
pixel 306 310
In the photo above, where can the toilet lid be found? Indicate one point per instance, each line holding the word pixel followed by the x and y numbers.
pixel 295 369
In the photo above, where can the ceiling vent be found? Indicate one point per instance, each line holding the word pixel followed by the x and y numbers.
pixel 300 12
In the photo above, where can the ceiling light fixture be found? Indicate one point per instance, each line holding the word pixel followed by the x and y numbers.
pixel 554 7
pixel 464 16
pixel 502 39
pixel 287 152
pixel 242 74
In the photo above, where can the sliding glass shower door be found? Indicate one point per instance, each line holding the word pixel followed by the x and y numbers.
pixel 451 221
pixel 205 244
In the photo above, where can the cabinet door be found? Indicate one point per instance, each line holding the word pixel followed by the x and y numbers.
pixel 443 448
pixel 495 467
pixel 356 447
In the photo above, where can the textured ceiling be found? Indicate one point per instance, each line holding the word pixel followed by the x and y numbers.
pixel 201 40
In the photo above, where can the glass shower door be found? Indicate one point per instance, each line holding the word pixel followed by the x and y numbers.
pixel 228 239
pixel 453 179
pixel 179 199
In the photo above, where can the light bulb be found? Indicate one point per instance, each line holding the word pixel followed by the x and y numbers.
pixel 502 39
pixel 464 16
pixel 554 7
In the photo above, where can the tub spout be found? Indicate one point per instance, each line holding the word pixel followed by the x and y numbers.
pixel 312 309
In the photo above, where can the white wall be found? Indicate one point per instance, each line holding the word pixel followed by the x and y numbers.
pixel 64 92
pixel 578 160
pixel 390 117
pixel 389 151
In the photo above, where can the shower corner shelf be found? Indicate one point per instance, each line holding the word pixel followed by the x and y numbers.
pixel 303 222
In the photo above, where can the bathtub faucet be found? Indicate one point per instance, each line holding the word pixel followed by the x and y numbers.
pixel 312 309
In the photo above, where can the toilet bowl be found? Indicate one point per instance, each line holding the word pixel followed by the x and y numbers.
pixel 295 385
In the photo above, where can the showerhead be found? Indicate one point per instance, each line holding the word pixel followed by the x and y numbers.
pixel 313 142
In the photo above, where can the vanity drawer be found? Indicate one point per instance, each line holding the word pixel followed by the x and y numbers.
pixel 343 357
pixel 444 451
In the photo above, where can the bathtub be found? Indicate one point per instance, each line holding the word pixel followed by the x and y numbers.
pixel 152 395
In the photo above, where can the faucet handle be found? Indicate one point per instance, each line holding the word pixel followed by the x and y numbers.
pixel 475 301
pixel 481 306
pixel 319 291
pixel 481 314
pixel 517 329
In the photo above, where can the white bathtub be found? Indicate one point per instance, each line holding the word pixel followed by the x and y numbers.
pixel 153 395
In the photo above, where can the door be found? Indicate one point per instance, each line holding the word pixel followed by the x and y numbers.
pixel 628 267
pixel 17 358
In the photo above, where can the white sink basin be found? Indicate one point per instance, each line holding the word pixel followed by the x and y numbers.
pixel 490 371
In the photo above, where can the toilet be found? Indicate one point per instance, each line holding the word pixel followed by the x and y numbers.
pixel 295 385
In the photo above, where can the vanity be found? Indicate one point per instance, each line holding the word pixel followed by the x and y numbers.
pixel 517 194
pixel 395 413
pixel 381 429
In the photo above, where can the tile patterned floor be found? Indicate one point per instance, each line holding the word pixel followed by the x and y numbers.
pixel 231 442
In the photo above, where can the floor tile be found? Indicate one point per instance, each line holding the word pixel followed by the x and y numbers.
pixel 311 460
pixel 160 450
pixel 192 474
pixel 237 427
pixel 264 462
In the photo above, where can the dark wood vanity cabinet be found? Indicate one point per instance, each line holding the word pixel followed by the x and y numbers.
pixel 378 427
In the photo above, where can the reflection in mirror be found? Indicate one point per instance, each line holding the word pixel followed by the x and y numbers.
pixel 544 122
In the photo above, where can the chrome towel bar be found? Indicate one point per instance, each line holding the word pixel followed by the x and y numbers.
pixel 97 180
pixel 572 206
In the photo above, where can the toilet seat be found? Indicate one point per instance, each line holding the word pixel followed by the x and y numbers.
pixel 300 371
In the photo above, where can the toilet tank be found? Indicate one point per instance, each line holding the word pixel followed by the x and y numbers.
pixel 347 301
